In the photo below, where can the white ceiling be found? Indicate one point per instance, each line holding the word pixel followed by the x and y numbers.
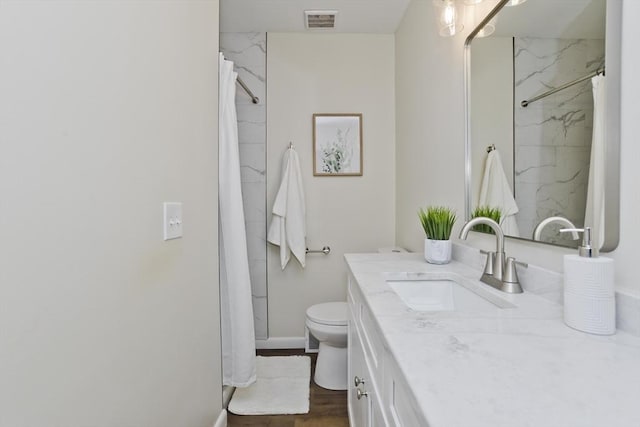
pixel 354 16
pixel 568 19
pixel 534 18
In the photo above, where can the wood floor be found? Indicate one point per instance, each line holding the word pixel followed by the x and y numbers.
pixel 327 408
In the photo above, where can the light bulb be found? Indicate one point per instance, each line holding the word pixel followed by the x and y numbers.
pixel 449 14
pixel 449 18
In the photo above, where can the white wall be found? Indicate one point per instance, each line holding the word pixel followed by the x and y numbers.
pixel 491 107
pixel 429 122
pixel 107 109
pixel 329 73
pixel 434 128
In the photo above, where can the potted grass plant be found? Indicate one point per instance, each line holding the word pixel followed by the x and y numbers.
pixel 487 212
pixel 437 222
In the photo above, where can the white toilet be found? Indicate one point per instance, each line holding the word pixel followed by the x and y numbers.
pixel 328 324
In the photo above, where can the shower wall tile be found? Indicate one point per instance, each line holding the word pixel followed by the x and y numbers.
pixel 535 164
pixel 254 199
pixel 251 122
pixel 256 241
pixel 255 81
pixel 252 167
pixel 248 52
pixel 245 49
pixel 260 317
pixel 553 135
pixel 258 271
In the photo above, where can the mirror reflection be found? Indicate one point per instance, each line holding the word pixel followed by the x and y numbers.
pixel 537 107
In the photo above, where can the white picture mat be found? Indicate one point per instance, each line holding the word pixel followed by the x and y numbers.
pixel 337 145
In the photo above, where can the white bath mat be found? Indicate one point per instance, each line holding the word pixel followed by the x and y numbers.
pixel 281 387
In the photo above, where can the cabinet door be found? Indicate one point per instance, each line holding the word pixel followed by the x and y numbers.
pixel 402 409
pixel 359 408
pixel 377 416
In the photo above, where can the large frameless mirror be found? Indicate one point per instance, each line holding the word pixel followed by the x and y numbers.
pixel 542 125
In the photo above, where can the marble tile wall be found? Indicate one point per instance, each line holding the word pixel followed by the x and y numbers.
pixel 248 51
pixel 553 135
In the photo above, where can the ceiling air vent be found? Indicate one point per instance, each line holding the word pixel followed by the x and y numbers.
pixel 320 19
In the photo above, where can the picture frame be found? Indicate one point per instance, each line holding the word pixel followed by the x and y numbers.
pixel 337 144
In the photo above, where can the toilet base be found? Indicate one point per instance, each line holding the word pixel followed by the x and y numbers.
pixel 331 367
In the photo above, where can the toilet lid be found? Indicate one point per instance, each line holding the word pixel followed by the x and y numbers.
pixel 329 313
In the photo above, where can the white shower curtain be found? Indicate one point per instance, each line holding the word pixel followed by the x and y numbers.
pixel 594 214
pixel 238 338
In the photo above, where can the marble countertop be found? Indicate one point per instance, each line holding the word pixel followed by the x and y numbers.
pixel 509 367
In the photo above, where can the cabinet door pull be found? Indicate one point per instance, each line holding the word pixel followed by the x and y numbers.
pixel 357 380
pixel 360 393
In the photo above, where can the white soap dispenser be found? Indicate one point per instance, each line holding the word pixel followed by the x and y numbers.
pixel 589 290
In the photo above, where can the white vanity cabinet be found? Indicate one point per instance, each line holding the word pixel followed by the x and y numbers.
pixel 361 391
pixel 378 396
pixel 458 367
pixel 364 382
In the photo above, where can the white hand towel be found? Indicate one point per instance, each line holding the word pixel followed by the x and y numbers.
pixel 496 193
pixel 288 228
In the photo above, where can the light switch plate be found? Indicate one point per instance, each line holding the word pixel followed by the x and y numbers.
pixel 172 220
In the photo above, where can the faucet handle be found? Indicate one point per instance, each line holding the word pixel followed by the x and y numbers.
pixel 520 263
pixel 511 276
pixel 488 266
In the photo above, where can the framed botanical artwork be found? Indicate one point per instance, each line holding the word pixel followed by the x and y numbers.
pixel 337 144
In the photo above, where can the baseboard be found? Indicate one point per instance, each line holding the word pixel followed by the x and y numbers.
pixel 280 343
pixel 222 419
pixel 311 344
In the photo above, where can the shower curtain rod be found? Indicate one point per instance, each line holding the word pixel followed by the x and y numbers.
pixel 526 102
pixel 254 98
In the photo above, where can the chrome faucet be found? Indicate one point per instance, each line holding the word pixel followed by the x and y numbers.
pixel 537 232
pixel 497 273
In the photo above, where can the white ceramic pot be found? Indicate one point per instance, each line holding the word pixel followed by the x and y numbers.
pixel 437 251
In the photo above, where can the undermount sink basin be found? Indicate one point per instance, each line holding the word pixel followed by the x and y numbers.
pixel 420 292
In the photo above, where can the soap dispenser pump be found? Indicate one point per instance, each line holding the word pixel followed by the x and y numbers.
pixel 585 250
pixel 589 290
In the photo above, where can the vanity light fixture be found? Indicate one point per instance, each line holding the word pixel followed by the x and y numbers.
pixel 451 14
pixel 449 17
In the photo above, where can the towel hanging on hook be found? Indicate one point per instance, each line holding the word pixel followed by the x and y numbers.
pixel 288 223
